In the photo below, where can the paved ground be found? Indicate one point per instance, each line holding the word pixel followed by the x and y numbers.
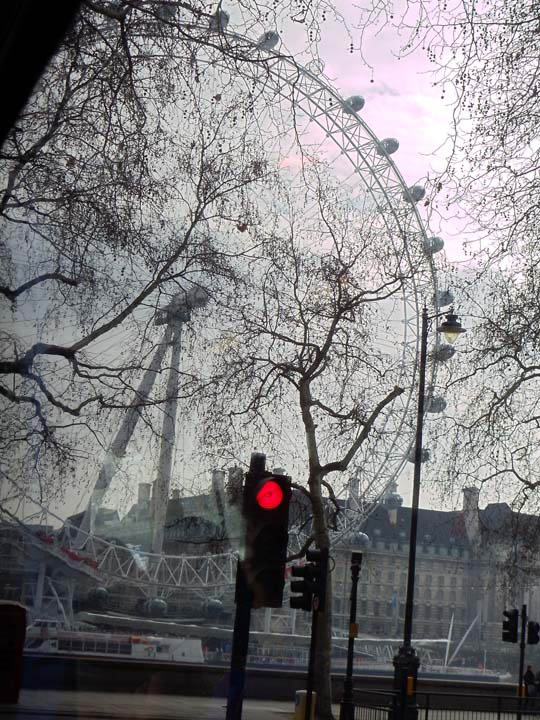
pixel 42 704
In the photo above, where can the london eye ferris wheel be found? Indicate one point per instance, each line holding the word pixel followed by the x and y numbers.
pixel 307 131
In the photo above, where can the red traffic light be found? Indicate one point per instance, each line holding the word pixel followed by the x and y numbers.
pixel 270 495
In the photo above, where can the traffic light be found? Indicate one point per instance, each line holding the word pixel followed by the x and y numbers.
pixel 312 586
pixel 510 626
pixel 533 630
pixel 303 586
pixel 266 513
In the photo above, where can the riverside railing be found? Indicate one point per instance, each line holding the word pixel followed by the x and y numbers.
pixel 379 705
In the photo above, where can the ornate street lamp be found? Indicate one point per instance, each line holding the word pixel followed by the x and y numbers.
pixel 406 661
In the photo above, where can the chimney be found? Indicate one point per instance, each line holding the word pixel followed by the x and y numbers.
pixel 143 496
pixel 234 485
pixel 218 481
pixel 353 493
pixel 218 490
pixel 471 496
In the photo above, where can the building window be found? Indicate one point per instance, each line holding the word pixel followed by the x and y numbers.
pixel 389 609
pixel 427 612
pixel 439 613
pixel 441 580
pixel 376 608
pixel 453 581
pixel 427 594
pixel 428 580
pixel 363 607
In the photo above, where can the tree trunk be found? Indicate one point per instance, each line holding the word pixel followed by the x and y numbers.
pixel 323 657
pixel 323 660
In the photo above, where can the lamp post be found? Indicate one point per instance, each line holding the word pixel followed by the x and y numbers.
pixel 347 708
pixel 406 661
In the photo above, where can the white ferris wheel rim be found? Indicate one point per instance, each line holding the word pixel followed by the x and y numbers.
pixel 358 144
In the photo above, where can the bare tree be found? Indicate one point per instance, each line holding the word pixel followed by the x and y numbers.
pixel 485 62
pixel 305 370
pixel 106 204
pixel 108 210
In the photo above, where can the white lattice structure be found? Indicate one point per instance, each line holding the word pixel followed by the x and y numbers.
pixel 106 562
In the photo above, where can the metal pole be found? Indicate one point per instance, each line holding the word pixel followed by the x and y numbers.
pixel 406 662
pixel 240 642
pixel 242 619
pixel 347 707
pixel 311 664
pixel 522 658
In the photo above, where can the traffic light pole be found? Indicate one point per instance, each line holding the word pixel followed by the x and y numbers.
pixel 522 657
pixel 242 619
pixel 240 642
pixel 311 664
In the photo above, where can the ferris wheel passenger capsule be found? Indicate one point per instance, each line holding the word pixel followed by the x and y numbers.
pixel 268 40
pixel 425 455
pixel 433 245
pixel 414 194
pixel 219 21
pixel 387 146
pixel 444 352
pixel 436 404
pixel 444 298
pixel 353 104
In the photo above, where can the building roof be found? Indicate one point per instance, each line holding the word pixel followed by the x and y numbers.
pixel 435 527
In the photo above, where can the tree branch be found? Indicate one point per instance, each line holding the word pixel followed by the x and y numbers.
pixel 58 276
pixel 343 464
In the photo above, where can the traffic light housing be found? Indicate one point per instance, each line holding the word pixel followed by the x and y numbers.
pixel 533 632
pixel 510 626
pixel 266 513
pixel 312 585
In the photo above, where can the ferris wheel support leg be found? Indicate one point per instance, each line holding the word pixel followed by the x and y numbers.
pixel 160 493
pixel 59 603
pixel 117 449
pixel 38 596
pixel 70 594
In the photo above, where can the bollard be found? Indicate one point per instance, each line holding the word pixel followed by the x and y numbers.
pixel 300 705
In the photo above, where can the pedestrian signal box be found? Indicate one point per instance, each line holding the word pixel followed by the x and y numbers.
pixel 312 585
pixel 533 632
pixel 510 626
